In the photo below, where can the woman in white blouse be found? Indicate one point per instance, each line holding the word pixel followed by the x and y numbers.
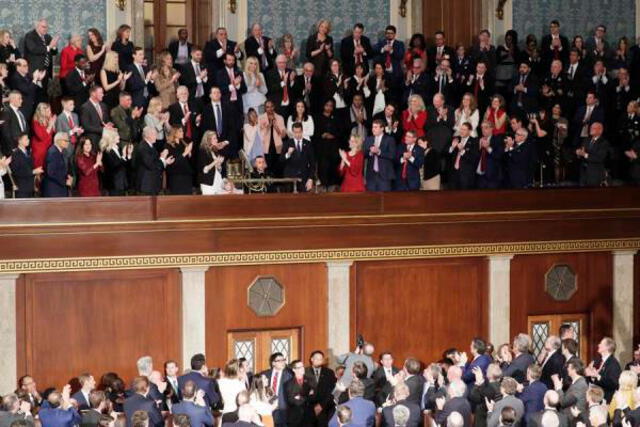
pixel 256 87
pixel 263 399
pixel 467 113
pixel 300 115
pixel 250 133
pixel 230 386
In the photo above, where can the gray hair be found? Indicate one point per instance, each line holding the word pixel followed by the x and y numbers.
pixel 455 420
pixel 457 388
pixel 60 136
pixel 400 415
pixel 148 131
pixel 246 413
pixel 555 341
pixel 522 343
pixel 145 363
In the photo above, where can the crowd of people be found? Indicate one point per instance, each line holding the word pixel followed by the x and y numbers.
pixel 487 387
pixel 357 115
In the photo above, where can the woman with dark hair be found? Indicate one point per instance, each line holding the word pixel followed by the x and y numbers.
pixel 507 59
pixel 335 88
pixel 417 49
pixel 96 50
pixel 531 54
pixel 123 47
pixel 620 58
pixel 356 84
pixel 326 145
pixel 376 96
pixel 320 47
pixel 87 165
pixel 180 172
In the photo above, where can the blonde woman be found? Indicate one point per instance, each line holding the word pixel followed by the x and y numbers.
pixel 158 119
pixel 415 116
pixel 43 127
pixel 289 50
pixel 320 47
pixel 112 79
pixel 167 80
pixel 115 163
pixel 627 383
pixel 352 166
pixel 230 385
pixel 8 50
pixel 211 164
pixel 250 133
pixel 467 113
pixel 256 86
pixel 4 168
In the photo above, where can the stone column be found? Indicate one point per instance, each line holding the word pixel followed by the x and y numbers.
pixel 499 299
pixel 8 335
pixel 623 304
pixel 193 312
pixel 338 307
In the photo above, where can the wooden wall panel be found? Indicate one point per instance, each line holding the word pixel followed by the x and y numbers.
pixel 96 322
pixel 420 308
pixel 459 19
pixel 305 305
pixel 593 297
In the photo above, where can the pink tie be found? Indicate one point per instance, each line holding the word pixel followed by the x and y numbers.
pixel 234 94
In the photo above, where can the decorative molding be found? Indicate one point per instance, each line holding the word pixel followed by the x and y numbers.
pixel 307 256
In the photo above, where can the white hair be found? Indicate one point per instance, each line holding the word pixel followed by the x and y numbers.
pixel 246 413
pixel 455 420
pixel 550 419
pixel 145 364
pixel 148 131
pixel 400 415
pixel 457 388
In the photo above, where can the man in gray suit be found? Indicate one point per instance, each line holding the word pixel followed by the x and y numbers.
pixel 69 123
pixel 15 409
pixel 508 389
pixel 576 394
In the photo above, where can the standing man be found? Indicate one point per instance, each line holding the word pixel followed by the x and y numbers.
pixel 216 48
pixel 355 49
pixel 180 49
pixel 322 381
pixel 260 47
pixel 593 154
pixel 298 159
pixel 39 49
pixel 380 152
pixel 278 375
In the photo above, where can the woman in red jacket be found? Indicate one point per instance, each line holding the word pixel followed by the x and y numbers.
pixel 415 116
pixel 43 126
pixel 87 164
pixel 68 56
pixel 351 166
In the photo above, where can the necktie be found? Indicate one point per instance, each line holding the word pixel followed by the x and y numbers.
pixel 99 110
pixel 358 55
pixel 317 375
pixel 71 127
pixel 46 54
pixel 483 160
pixel 218 120
pixel 299 146
pixel 187 125
pixel 263 57
pixel 22 120
pixel 458 156
pixel 405 165
pixel 145 92
pixel 376 167
pixel 476 88
pixel 556 53
pixel 441 84
pixel 285 88
pixel 572 71
pixel 387 61
pixel 234 94
pixel 274 383
pixel 199 88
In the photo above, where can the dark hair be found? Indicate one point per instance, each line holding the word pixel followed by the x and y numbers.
pixel 123 94
pixel 137 49
pixel 96 33
pixel 359 25
pixel 555 22
pixel 577 51
pixel 79 57
pixel 274 356
pixel 571 345
pixel 314 352
pixel 297 125
pixel 294 362
pixel 379 123
pixel 418 37
pixel 412 366
pixel 121 29
pixel 508 416
pixel 384 353
pixel 478 343
pixel 360 370
pixel 18 138
pixel 604 27
pixel 197 361
pixel 229 54
pixel 390 28
pixel 577 365
pixel 439 32
pixel 294 114
pixel 94 89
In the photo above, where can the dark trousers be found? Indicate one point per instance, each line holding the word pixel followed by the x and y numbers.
pixel 375 182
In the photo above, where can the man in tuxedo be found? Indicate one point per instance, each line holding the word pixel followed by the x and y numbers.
pixel 553 361
pixel 280 81
pixel 126 119
pixel 363 411
pixel 322 381
pixel 221 118
pixel 277 376
pixel 140 82
pixel 22 168
pixel 59 411
pixel 28 84
pixel 77 82
pixel 14 123
pixel 593 154
pixel 355 49
pixel 464 155
pixel 417 81
pixel 489 171
pixel 400 397
pixel 139 401
pixel 390 52
pixel 519 160
pixel 180 49
pixel 380 151
pixel 585 116
pixel 524 88
pixel 88 384
pixel 554 46
pixel 532 394
pixel 409 159
pixel 298 159
pixel 195 76
pixel 148 165
pixel 193 404
pixel 94 116
pixel 57 179
pixel 199 375
pixel 39 49
pixel 307 87
pixel 383 378
pixel 298 390
pixel 260 47
pixel 185 112
pixel 216 48
pixel 481 85
pixel 231 83
pixel 439 51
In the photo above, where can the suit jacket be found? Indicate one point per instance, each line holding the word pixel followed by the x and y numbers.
pixel 223 81
pixel 492 177
pixel 91 121
pixel 176 114
pixel 297 401
pixel 35 51
pixel 431 56
pixel 136 85
pixel 483 95
pixel 574 396
pixel 597 115
pixel 299 164
pixel 189 79
pixel 148 167
pixel 482 362
pixel 609 375
pixel 412 180
pixel 6 418
pixel 280 414
pixel 209 385
pixel 363 413
pixel 276 90
pixel 173 50
pixel 535 420
pixel 420 86
pixel 198 415
pixel 383 387
pixel 58 417
pixel 322 388
pixel 214 60
pixel 397 55
pixel 415 414
pixel 347 48
pixel 457 404
pixel 548 54
pixel 576 87
pixel 28 89
pixel 62 123
pixel 76 87
pixel 229 125
pixel 138 402
pixel 22 172
pixel 115 172
pixel 313 97
pixel 90 418
pixel 464 177
pixel 512 401
pixel 519 173
pixel 82 402
pixel 251 46
pixel 517 369
pixel 11 129
pixel 553 366
pixel 593 171
pixel 533 398
pixel 55 176
pixel 632 415
pixel 386 157
pixel 525 101
pixel 489 390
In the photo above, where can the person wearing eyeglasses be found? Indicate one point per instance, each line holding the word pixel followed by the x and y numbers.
pixel 279 375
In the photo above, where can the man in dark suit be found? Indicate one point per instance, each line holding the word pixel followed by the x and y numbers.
pixel 519 161
pixel 231 83
pixel 439 51
pixel 517 367
pixel 575 82
pixel 322 381
pixel 180 49
pixel 554 45
pixel 550 412
pixel 195 76
pixel 593 154
pixel 148 165
pixel 88 384
pixel 172 393
pixel 22 168
pixel 485 388
pixel 443 82
pixel 524 88
pixel 39 49
pixel 489 171
pixel 186 113
pixel 14 123
pixel 456 403
pixel 280 81
pixel 481 85
pixel 298 159
pixel 600 83
pixel 417 81
pixel 414 380
pixel 139 401
pixel 221 118
pixel 390 52
pixel 307 87
pixel 57 179
pixel 59 410
pixel 28 84
pixel 382 378
pixel 532 395
pixel 409 159
pixel 553 361
pixel 77 83
pixel 193 404
pixel 585 116
pixel 597 46
pixel 484 51
pixel 297 391
pixel 440 122
pixel 15 409
pixel 198 375
pixel 140 82
pixel 355 49
pixel 400 397
pixel 380 151
pixel 216 48
pixel 277 376
pixel 94 115
pixel 480 361
pixel 605 371
pixel 463 159
pixel 98 403
pixel 260 47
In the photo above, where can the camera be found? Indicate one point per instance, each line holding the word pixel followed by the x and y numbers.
pixel 359 341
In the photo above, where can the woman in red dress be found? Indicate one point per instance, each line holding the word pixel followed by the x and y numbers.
pixel 415 116
pixel 497 115
pixel 351 166
pixel 43 126
pixel 87 165
pixel 68 55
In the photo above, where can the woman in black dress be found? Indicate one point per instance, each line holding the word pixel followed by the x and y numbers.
pixel 123 47
pixel 180 172
pixel 326 145
pixel 96 51
pixel 112 79
pixel 320 48
pixel 377 96
pixel 8 50
pixel 335 88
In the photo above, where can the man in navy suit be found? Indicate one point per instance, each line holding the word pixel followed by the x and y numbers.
pixel 519 160
pixel 198 375
pixel 400 395
pixel 554 45
pixel 57 180
pixel 58 411
pixel 278 375
pixel 380 152
pixel 139 401
pixel 193 405
pixel 480 360
pixel 390 52
pixel 363 411
pixel 455 403
pixel 218 116
pixel 585 116
pixel 489 171
pixel 464 155
pixel 260 47
pixel 22 168
pixel 605 370
pixel 593 153
pixel 15 122
pixel 517 367
pixel 532 395
pixel 29 85
pixel 416 82
pixel 231 83
pixel 88 384
pixel 355 49
pixel 552 360
pixel 382 377
pixel 138 85
pixel 409 159
pixel 215 49
pixel 298 159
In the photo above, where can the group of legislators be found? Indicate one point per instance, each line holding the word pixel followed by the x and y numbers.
pixel 354 115
pixel 484 387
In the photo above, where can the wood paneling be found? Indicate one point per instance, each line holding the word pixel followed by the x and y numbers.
pixel 420 308
pixel 594 295
pixel 305 305
pixel 459 19
pixel 636 297
pixel 70 323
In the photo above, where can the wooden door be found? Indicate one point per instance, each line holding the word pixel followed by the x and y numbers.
pixel 540 327
pixel 257 345
pixel 162 20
